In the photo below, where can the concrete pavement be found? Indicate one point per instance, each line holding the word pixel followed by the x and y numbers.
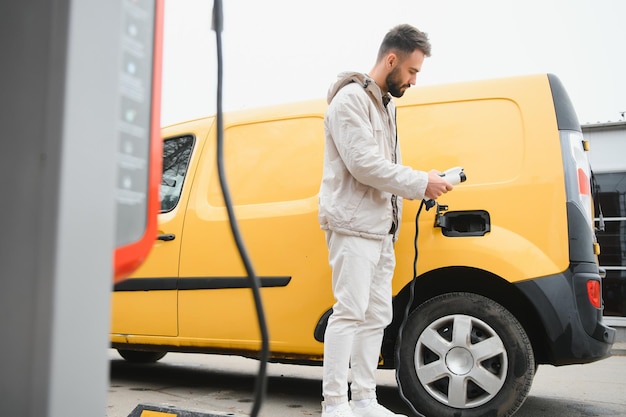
pixel 225 384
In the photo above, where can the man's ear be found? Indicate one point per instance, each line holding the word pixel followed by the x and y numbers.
pixel 391 61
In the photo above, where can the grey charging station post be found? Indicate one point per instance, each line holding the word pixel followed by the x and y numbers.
pixel 60 120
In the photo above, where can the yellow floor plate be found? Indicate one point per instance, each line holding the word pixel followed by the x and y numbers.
pixel 152 410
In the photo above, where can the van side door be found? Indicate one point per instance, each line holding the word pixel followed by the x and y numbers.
pixel 273 169
pixel 145 303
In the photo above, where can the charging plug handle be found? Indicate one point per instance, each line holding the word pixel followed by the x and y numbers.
pixel 454 175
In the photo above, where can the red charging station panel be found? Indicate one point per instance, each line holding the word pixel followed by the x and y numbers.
pixel 139 153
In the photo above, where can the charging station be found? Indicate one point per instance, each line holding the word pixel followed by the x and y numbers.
pixel 79 116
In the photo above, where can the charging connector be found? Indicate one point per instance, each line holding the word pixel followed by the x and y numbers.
pixel 454 176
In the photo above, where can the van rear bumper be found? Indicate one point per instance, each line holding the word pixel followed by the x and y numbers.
pixel 574 332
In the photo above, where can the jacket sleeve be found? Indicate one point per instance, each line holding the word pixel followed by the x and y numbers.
pixel 358 145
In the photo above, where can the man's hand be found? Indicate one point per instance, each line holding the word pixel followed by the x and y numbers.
pixel 436 185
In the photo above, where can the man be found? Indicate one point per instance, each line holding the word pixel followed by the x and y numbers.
pixel 359 209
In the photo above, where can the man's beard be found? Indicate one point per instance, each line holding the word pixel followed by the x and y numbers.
pixel 395 87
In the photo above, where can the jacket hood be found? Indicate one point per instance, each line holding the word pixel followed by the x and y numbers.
pixel 346 78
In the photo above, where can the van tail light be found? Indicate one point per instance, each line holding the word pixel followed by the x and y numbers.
pixel 594 293
pixel 584 184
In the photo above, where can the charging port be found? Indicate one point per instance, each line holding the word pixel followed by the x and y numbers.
pixel 463 223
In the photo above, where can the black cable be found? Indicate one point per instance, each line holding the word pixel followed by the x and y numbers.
pixel 261 381
pixel 408 306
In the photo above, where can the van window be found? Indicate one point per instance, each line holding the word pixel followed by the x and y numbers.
pixel 265 163
pixel 176 154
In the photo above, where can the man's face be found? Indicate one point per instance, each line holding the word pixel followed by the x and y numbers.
pixel 404 72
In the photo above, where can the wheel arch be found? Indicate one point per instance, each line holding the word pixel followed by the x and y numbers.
pixel 465 279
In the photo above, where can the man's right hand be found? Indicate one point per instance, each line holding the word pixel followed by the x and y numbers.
pixel 436 185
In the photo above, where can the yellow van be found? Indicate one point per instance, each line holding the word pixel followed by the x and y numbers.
pixel 507 273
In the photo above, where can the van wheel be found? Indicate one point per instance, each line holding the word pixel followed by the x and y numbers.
pixel 140 356
pixel 462 354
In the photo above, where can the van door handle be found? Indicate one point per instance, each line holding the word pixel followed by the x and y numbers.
pixel 166 237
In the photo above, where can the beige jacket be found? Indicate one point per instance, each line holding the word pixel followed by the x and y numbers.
pixel 362 162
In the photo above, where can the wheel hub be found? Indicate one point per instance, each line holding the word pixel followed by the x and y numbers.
pixel 459 361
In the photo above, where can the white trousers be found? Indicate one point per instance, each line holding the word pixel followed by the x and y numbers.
pixel 362 270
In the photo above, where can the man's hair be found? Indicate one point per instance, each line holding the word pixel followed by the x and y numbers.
pixel 404 39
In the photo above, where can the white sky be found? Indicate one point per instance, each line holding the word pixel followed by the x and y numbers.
pixel 278 51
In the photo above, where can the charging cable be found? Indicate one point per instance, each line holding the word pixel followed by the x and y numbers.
pixel 423 204
pixel 454 176
pixel 261 381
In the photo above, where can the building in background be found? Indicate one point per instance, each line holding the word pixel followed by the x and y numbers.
pixel 608 162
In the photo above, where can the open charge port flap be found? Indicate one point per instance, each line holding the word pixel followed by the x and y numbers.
pixel 464 223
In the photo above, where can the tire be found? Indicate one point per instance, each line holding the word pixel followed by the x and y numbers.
pixel 140 356
pixel 464 355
